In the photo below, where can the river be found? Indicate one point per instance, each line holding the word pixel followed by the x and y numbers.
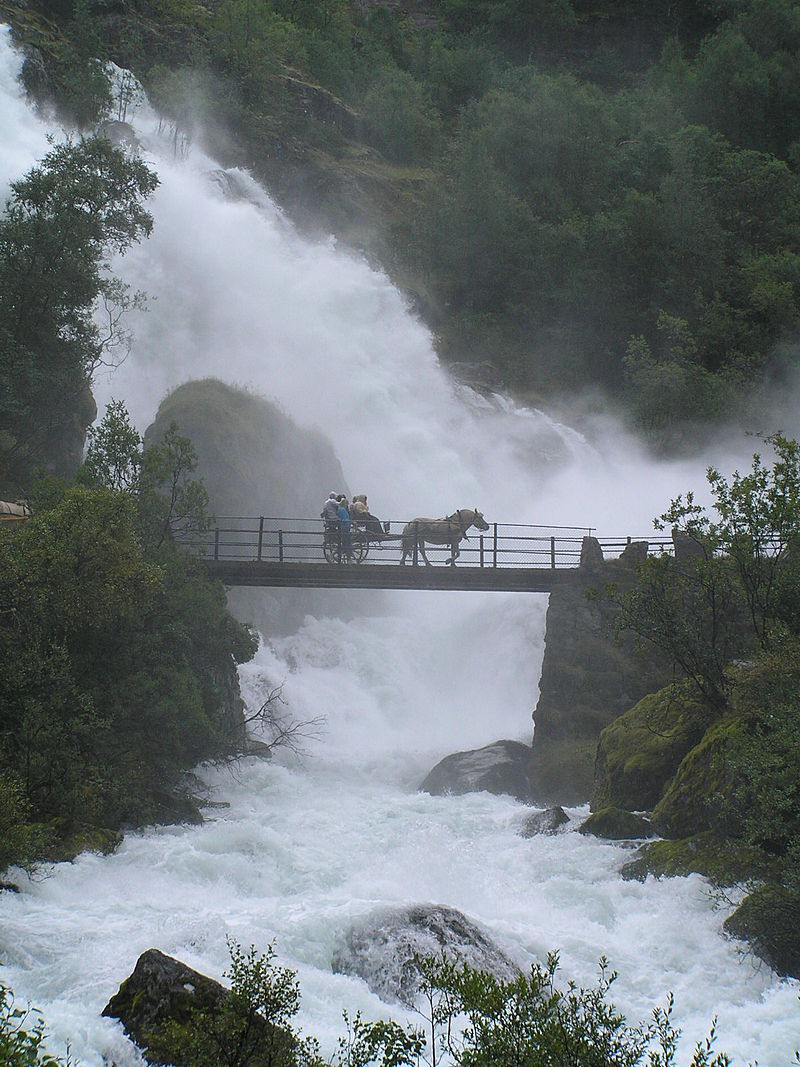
pixel 301 846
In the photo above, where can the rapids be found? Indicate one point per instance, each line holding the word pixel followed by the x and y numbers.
pixel 302 846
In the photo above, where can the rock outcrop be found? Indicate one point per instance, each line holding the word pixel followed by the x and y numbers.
pixel 769 920
pixel 161 989
pixel 639 753
pixel 549 821
pixel 590 675
pixel 501 768
pixel 614 824
pixel 254 460
pixel 162 992
pixel 382 948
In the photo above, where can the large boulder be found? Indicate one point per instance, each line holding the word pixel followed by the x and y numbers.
pixel 162 993
pixel 699 796
pixel 254 460
pixel 769 921
pixel 384 947
pixel 161 989
pixel 502 768
pixel 639 753
pixel 550 821
pixel 614 824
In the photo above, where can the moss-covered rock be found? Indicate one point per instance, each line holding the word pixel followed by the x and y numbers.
pixel 639 753
pixel 616 825
pixel 699 796
pixel 769 920
pixel 723 861
pixel 65 840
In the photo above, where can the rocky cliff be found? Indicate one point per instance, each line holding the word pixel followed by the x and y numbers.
pixel 590 675
pixel 254 460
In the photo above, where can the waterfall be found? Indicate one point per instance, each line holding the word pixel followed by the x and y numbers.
pixel 306 845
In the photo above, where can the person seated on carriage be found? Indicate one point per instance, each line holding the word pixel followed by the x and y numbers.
pixel 330 515
pixel 344 529
pixel 361 514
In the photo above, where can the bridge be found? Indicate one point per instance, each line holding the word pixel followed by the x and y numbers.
pixel 289 552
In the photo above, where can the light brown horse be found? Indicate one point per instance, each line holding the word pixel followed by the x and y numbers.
pixel 449 531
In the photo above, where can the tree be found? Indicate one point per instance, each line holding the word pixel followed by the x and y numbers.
pixel 737 590
pixel 530 1021
pixel 60 223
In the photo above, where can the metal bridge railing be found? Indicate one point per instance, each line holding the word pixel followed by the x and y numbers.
pixel 292 540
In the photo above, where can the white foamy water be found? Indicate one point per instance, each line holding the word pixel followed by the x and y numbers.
pixel 305 847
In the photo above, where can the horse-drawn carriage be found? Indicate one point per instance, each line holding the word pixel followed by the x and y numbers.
pixel 14 512
pixel 341 546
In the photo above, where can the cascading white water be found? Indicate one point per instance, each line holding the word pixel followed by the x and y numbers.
pixel 305 847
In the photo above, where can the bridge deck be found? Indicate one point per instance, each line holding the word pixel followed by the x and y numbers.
pixel 393 576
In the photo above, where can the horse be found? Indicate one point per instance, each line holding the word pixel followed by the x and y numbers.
pixel 448 531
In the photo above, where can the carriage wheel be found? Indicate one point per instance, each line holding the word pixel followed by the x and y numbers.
pixel 360 547
pixel 330 549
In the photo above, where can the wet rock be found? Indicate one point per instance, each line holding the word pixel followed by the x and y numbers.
pixel 163 991
pixel 548 821
pixel 591 555
pixel 614 824
pixel 634 553
pixel 502 768
pixel 639 753
pixel 119 133
pixel 723 861
pixel 769 921
pixel 159 990
pixel 590 676
pixel 483 377
pixel 382 948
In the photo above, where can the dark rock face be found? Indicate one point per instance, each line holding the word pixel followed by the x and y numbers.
pixel 381 949
pixel 614 824
pixel 160 989
pixel 548 821
pixel 500 768
pixel 590 676
pixel 254 460
pixel 769 921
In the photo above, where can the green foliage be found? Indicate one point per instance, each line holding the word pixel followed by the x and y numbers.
pixel 20 843
pixel 586 220
pixel 766 765
pixel 60 223
pixel 402 121
pixel 733 588
pixel 21 1036
pixel 249 1028
pixel 532 1022
pixel 119 652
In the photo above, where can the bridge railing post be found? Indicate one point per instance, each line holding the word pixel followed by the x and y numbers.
pixel 553 553
pixel 216 542
pixel 415 557
pixel 494 561
pixel 260 537
pixel 280 546
pixel 481 549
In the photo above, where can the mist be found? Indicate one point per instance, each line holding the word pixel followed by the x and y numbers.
pixel 302 846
